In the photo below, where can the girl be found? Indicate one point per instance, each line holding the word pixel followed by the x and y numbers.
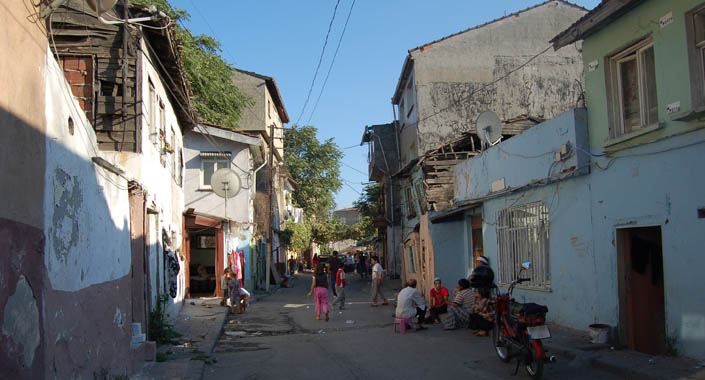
pixel 319 289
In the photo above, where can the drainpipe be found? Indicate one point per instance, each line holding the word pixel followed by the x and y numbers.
pixel 391 193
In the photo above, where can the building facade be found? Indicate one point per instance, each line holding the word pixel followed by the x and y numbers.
pixel 506 66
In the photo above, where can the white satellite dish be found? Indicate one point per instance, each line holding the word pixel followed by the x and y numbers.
pixel 226 184
pixel 489 127
pixel 101 6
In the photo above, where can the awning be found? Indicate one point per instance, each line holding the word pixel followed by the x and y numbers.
pixel 223 155
pixel 453 213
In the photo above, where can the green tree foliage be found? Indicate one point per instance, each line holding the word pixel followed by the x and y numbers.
pixel 370 205
pixel 315 166
pixel 296 236
pixel 215 97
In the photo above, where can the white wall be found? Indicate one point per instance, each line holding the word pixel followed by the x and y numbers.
pixel 206 201
pixel 86 206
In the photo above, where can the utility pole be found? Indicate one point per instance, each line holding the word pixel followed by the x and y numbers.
pixel 268 258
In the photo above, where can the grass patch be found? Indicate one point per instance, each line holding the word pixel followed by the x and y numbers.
pixel 160 330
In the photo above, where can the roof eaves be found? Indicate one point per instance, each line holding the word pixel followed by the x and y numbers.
pixel 405 71
pixel 599 17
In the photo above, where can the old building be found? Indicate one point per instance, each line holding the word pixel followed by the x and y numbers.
pixel 383 160
pixel 506 66
pixel 644 90
pixel 266 118
pixel 218 237
pixel 73 226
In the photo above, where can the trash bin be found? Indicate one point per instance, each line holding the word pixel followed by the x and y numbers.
pixel 599 333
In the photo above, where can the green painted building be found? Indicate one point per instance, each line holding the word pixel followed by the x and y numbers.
pixel 644 68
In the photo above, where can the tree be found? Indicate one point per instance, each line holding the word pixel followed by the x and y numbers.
pixel 216 98
pixel 315 166
pixel 370 205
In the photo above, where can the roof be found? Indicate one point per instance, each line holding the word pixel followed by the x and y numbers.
pixel 227 134
pixel 273 91
pixel 369 131
pixel 408 61
pixel 603 14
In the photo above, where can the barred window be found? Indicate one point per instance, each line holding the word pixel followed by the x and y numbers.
pixel 522 235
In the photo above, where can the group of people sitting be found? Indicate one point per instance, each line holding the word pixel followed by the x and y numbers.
pixel 470 307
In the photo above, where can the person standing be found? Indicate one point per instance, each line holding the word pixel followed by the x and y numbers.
pixel 292 265
pixel 234 293
pixel 377 281
pixel 319 290
pixel 411 303
pixel 224 285
pixel 340 288
pixel 439 301
pixel 333 269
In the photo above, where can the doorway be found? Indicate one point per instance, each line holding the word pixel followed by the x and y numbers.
pixel 641 290
pixel 476 245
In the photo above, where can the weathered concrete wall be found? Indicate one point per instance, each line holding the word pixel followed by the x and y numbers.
pixel 87 253
pixel 254 88
pixel 451 74
pixel 22 160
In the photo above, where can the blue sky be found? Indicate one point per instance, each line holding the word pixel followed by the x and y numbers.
pixel 283 39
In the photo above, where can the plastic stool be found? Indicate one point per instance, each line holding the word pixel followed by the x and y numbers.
pixel 403 323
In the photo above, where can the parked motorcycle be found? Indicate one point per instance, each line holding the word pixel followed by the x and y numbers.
pixel 519 329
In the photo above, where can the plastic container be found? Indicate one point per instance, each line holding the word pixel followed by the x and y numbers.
pixel 599 333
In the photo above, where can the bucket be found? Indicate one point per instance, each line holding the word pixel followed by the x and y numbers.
pixel 599 333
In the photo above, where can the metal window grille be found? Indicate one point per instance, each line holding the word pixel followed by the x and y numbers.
pixel 522 235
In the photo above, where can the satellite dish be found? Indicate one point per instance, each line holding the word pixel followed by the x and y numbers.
pixel 225 183
pixel 101 6
pixel 489 127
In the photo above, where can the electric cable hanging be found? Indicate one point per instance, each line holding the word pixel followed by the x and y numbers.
pixel 332 62
pixel 318 66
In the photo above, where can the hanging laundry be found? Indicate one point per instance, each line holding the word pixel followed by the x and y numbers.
pixel 173 267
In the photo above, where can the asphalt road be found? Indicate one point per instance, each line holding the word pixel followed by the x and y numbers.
pixel 278 338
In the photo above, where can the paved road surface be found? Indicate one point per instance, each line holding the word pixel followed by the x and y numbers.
pixel 278 338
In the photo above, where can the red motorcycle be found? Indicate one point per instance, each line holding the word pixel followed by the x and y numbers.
pixel 519 329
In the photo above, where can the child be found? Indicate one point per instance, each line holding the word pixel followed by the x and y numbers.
pixel 224 283
pixel 340 288
pixel 244 298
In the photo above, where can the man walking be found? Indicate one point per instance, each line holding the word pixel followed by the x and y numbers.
pixel 411 303
pixel 377 280
pixel 340 288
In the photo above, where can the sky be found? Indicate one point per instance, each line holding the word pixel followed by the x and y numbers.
pixel 284 38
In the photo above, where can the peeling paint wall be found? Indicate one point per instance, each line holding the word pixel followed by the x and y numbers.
pixel 451 75
pixel 87 209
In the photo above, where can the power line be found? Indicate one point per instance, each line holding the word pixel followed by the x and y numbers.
pixel 320 59
pixel 486 86
pixel 332 62
pixel 353 168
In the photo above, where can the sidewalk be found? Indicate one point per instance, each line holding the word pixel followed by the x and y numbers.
pixel 200 323
pixel 568 344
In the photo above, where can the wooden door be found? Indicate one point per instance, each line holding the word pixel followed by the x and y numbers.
pixel 642 300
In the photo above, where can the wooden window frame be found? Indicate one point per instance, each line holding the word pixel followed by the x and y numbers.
pixel 633 51
pixel 696 59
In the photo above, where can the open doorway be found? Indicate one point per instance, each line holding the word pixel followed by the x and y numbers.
pixel 476 245
pixel 202 273
pixel 641 289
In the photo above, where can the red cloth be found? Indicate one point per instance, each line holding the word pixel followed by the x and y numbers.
pixel 438 297
pixel 340 278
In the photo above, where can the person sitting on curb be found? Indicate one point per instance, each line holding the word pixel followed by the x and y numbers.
pixel 411 303
pixel 459 310
pixel 482 316
pixel 439 301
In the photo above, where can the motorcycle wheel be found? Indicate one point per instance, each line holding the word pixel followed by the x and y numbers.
pixel 498 342
pixel 534 365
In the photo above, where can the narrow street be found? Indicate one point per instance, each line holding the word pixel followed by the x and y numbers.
pixel 278 336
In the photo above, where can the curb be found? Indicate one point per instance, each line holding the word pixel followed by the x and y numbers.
pixel 196 368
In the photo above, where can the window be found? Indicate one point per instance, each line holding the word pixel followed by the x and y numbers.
pixel 410 206
pixel 696 50
pixel 633 95
pixel 412 262
pixel 269 109
pixel 210 165
pixel 152 110
pixel 522 235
